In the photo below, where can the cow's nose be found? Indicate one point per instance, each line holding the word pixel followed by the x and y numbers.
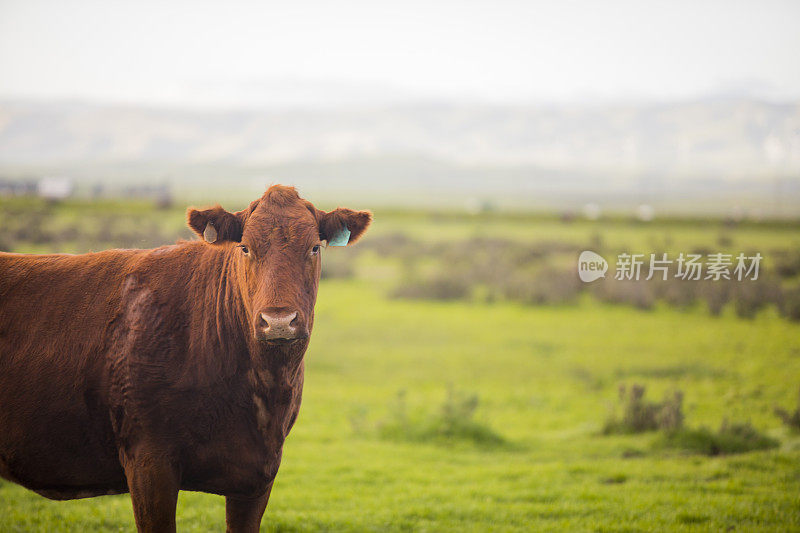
pixel 280 323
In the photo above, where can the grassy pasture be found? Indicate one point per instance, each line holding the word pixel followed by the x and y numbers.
pixel 545 378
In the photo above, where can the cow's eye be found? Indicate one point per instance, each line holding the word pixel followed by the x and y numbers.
pixel 315 250
pixel 245 250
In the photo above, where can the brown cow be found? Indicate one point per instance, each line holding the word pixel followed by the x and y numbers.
pixel 151 371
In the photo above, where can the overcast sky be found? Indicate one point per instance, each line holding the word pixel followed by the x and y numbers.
pixel 237 53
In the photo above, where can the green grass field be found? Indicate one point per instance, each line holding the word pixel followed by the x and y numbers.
pixel 546 378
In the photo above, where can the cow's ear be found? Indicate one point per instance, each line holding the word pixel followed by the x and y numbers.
pixel 343 226
pixel 215 225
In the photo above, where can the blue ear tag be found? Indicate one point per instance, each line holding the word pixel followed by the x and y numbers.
pixel 341 238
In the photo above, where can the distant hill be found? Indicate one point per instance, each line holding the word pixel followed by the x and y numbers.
pixel 730 137
pixel 646 150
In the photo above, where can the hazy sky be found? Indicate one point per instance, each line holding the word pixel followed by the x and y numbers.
pixel 237 53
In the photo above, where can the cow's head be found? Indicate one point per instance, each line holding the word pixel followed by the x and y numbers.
pixel 275 246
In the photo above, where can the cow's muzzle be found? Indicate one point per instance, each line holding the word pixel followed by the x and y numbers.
pixel 280 324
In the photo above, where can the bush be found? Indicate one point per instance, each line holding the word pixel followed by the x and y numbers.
pixel 453 422
pixel 501 268
pixel 791 420
pixel 440 286
pixel 790 304
pixel 640 415
pixel 677 292
pixel 749 297
pixel 787 263
pixel 337 266
pixel 724 240
pixel 639 294
pixel 391 244
pixel 716 294
pixel 729 439
pixel 547 286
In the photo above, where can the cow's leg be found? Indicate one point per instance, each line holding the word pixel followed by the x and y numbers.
pixel 244 515
pixel 153 482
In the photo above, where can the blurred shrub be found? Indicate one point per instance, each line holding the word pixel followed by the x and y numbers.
pixel 749 297
pixel 29 227
pixel 677 292
pixel 438 286
pixel 391 244
pixel 504 269
pixel 729 439
pixel 533 272
pixel 639 415
pixel 716 294
pixel 791 420
pixel 724 240
pixel 639 294
pixel 787 263
pixel 790 303
pixel 338 266
pixel 453 422
pixel 58 228
pixel 548 285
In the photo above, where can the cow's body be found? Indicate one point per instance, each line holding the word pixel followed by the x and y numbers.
pixel 121 349
pixel 140 366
